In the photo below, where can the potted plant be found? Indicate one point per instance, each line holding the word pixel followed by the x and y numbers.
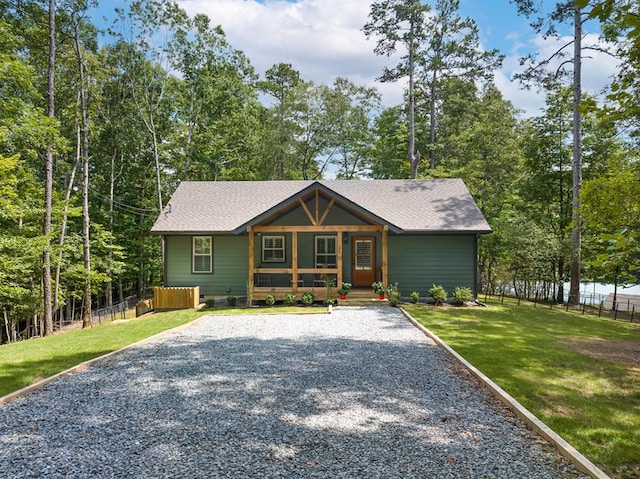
pixel 378 288
pixel 344 290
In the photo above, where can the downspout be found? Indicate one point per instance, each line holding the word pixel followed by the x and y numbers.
pixel 475 267
pixel 165 278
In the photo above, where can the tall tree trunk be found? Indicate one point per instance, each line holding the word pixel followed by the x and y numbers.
pixel 432 122
pixel 48 182
pixel 108 287
pixel 576 236
pixel 84 154
pixel 412 108
pixel 63 230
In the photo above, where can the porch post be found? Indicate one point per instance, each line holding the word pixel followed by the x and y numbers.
pixel 339 257
pixel 294 261
pixel 385 269
pixel 251 266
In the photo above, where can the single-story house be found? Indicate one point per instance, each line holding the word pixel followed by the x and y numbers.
pixel 277 237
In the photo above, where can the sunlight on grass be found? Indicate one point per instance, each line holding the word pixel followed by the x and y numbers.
pixel 547 359
pixel 25 362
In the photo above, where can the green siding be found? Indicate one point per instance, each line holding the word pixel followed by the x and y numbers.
pixel 230 265
pixel 416 263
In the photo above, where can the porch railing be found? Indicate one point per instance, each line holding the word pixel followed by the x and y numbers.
pixel 306 278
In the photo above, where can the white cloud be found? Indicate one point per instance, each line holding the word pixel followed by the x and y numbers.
pixel 597 68
pixel 323 39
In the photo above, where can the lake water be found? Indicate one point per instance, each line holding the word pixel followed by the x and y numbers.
pixel 598 291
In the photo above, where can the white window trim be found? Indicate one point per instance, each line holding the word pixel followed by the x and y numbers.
pixel 284 249
pixel 194 255
pixel 324 237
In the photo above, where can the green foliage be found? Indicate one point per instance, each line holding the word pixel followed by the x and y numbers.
pixel 290 299
pixel 210 303
pixel 308 298
pixel 393 295
pixel 438 294
pixel 231 300
pixel 377 287
pixel 345 288
pixel 415 296
pixel 462 295
pixel 270 300
pixel 611 216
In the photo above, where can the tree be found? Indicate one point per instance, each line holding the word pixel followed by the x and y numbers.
pixel 452 50
pixel 283 83
pixel 388 153
pixel 621 25
pixel 48 182
pixel 401 23
pixel 612 217
pixel 566 11
pixel 351 109
pixel 483 137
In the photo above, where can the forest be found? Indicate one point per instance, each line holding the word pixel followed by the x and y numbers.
pixel 95 136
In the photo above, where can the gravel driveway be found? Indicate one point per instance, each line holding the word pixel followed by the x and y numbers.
pixel 358 393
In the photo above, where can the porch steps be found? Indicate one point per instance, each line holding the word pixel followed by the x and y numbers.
pixel 363 302
pixel 362 297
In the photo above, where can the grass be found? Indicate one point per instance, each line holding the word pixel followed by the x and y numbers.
pixel 565 367
pixel 26 362
pixel 562 366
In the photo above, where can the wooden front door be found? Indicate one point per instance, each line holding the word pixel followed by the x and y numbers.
pixel 363 261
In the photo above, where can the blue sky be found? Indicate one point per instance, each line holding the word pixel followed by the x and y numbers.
pixel 323 39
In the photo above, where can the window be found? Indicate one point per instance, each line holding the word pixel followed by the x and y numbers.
pixel 202 254
pixel 326 251
pixel 273 249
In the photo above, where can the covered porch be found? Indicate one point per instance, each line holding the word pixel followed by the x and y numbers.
pixel 322 271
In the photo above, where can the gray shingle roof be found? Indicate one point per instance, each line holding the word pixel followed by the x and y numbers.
pixel 441 205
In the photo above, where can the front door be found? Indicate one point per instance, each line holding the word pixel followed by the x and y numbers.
pixel 363 261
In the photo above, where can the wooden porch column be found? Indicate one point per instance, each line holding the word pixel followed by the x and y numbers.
pixel 339 234
pixel 251 266
pixel 385 271
pixel 294 261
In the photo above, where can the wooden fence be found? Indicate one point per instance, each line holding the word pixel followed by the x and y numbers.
pixel 165 299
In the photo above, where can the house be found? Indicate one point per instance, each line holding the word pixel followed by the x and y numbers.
pixel 277 237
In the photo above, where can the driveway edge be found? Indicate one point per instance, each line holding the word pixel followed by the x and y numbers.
pixel 563 447
pixel 84 365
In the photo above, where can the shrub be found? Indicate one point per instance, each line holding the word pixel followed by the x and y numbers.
pixel 438 294
pixel 290 299
pixel 308 298
pixel 210 303
pixel 462 295
pixel 415 296
pixel 270 300
pixel 231 300
pixel 393 295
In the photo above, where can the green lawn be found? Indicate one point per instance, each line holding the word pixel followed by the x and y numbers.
pixel 25 362
pixel 568 369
